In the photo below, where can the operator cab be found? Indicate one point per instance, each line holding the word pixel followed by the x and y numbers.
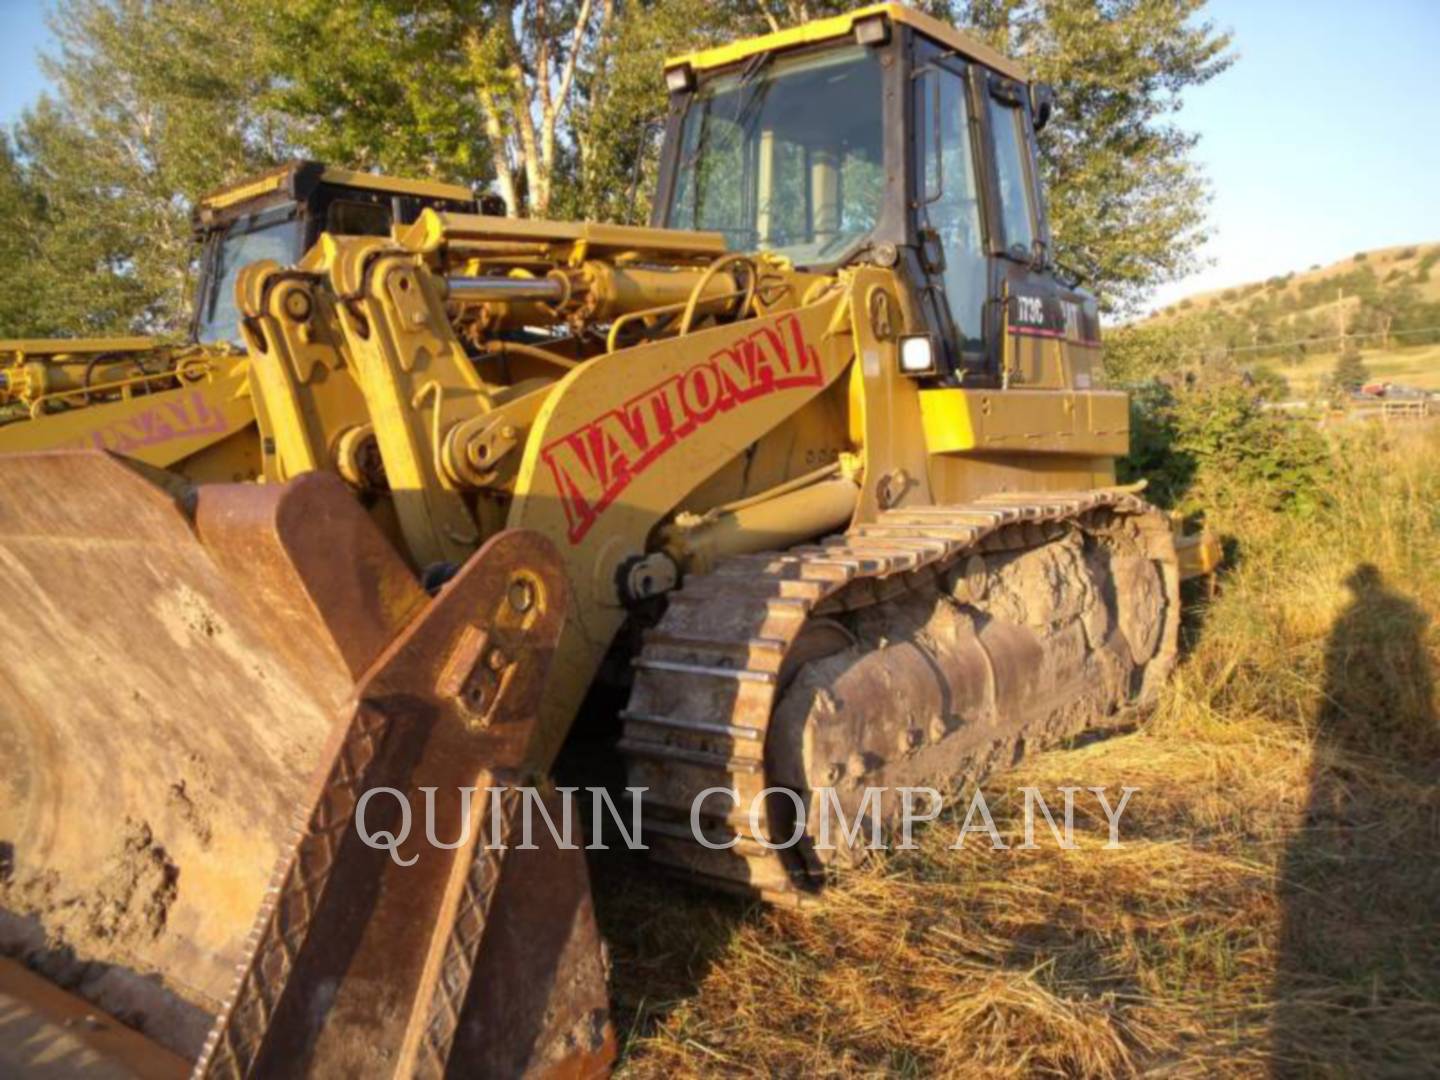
pixel 281 214
pixel 888 137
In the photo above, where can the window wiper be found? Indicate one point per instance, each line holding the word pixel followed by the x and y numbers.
pixel 756 64
pixel 747 104
pixel 701 138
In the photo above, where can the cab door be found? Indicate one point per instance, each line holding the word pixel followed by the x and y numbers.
pixel 1042 322
pixel 949 210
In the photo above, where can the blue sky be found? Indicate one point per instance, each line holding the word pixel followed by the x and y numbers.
pixel 1322 140
pixel 22 34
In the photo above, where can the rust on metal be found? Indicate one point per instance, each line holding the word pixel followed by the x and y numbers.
pixel 50 1032
pixel 481 953
pixel 168 687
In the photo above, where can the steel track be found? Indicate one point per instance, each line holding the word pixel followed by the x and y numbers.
pixel 711 672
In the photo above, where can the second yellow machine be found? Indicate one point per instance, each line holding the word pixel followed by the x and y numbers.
pixel 810 478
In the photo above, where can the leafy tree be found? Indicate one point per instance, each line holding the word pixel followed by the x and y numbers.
pixel 1350 372
pixel 1386 307
pixel 548 99
pixel 1141 352
pixel 22 294
pixel 151 108
pixel 373 84
pixel 1419 322
pixel 1128 202
pixel 523 62
pixel 560 103
pixel 621 101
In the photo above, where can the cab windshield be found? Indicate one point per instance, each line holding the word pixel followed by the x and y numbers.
pixel 786 155
pixel 274 234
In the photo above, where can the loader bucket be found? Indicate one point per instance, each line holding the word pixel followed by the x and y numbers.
pixel 186 672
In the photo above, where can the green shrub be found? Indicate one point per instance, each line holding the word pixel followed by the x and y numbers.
pixel 1153 455
pixel 1268 383
pixel 1209 445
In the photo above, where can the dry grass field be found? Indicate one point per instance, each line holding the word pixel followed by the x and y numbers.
pixel 1274 908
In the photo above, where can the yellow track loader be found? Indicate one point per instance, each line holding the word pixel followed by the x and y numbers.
pixel 178 404
pixel 812 474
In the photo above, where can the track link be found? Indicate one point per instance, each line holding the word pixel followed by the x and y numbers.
pixel 710 674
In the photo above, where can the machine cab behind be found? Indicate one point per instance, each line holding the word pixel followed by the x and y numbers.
pixel 280 215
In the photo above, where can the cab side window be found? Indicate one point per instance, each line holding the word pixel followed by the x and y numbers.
pixel 1012 174
pixel 351 217
pixel 949 198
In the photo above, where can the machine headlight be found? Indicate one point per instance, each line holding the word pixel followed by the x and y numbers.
pixel 872 31
pixel 680 78
pixel 917 355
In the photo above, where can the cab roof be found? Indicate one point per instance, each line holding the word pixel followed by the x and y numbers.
pixel 844 26
pixel 281 178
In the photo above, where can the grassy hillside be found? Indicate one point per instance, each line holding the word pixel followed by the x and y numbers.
pixel 1386 303
pixel 1273 909
pixel 1415 263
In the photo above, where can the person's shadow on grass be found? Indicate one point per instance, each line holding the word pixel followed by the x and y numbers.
pixel 1357 989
